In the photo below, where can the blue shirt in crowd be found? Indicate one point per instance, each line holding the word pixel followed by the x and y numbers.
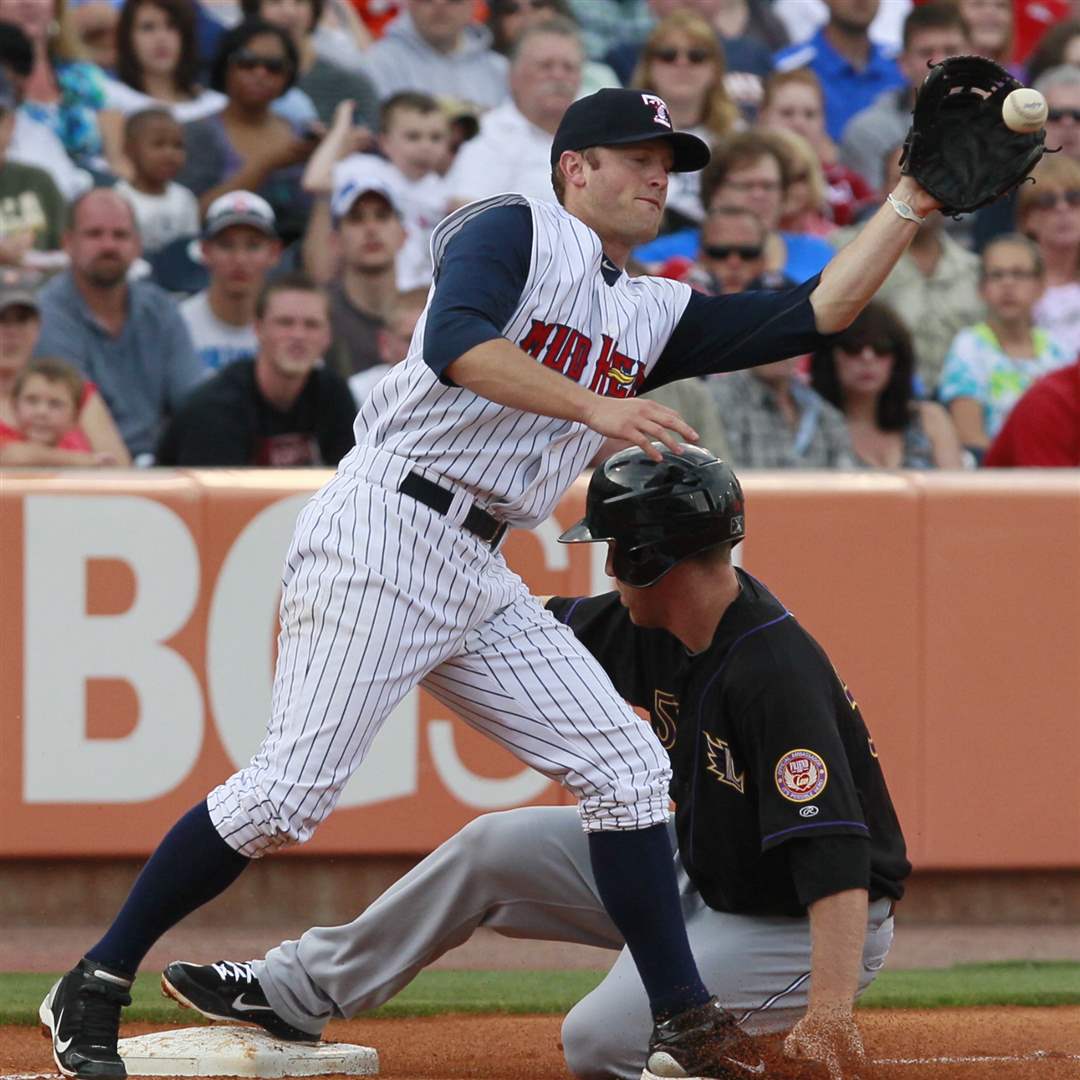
pixel 143 373
pixel 848 89
pixel 806 255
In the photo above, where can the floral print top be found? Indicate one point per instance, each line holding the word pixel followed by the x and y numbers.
pixel 74 117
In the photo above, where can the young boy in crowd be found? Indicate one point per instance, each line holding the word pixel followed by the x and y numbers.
pixel 164 209
pixel 393 342
pixel 415 141
pixel 46 397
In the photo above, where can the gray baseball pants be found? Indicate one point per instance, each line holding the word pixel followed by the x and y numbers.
pixel 525 874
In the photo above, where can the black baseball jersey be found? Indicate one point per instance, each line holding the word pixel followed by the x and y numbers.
pixel 779 794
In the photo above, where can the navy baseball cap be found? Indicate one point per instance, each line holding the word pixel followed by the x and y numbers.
pixel 615 117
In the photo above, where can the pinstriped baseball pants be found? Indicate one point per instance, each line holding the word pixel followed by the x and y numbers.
pixel 381 593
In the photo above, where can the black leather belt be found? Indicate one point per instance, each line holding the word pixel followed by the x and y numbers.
pixel 479 522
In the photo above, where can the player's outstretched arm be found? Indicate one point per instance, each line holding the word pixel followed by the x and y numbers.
pixel 827 1033
pixel 499 371
pixel 854 274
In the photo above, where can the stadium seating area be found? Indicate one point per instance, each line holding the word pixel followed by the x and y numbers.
pixel 215 218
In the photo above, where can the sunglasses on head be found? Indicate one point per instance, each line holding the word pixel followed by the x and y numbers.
pixel 249 61
pixel 746 252
pixel 1047 200
pixel 1060 114
pixel 669 56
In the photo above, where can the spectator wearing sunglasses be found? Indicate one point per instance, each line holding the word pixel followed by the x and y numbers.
pixel 746 31
pixel 246 147
pixel 1061 88
pixel 732 256
pixel 1049 212
pixel 867 373
pixel 433 46
pixel 509 19
pixel 324 82
pixel 991 364
pixel 683 63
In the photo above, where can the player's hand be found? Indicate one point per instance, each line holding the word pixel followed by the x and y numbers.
pixel 830 1037
pixel 641 422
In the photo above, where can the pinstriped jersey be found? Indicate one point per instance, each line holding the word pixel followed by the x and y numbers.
pixel 607 337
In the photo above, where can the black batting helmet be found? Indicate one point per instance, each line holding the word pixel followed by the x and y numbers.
pixel 658 513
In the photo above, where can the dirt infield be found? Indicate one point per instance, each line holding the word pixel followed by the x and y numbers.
pixel 938 1045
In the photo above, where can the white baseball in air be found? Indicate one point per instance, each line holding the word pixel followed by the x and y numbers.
pixel 1024 110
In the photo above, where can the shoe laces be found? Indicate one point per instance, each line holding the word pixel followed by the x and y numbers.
pixel 230 970
pixel 101 1005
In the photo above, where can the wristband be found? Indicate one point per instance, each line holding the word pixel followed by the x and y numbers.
pixel 904 210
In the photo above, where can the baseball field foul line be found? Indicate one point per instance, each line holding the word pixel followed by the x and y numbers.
pixel 975 1059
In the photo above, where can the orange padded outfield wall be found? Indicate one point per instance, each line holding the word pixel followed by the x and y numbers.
pixel 138 614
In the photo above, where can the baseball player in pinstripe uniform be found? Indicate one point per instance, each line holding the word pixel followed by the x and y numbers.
pixel 531 351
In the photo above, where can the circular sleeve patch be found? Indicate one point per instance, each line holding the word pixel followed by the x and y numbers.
pixel 801 775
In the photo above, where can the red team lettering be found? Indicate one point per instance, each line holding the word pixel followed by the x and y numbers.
pixel 567 351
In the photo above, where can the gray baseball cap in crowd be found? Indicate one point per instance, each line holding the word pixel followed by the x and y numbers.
pixel 19 288
pixel 616 117
pixel 352 186
pixel 239 208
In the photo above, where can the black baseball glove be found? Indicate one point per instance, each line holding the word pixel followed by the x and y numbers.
pixel 959 148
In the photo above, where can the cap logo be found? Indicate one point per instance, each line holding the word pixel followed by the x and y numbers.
pixel 659 108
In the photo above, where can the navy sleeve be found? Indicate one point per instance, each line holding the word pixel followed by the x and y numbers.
pixel 478 285
pixel 739 330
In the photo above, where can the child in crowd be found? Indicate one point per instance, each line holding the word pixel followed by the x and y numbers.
pixel 991 364
pixel 46 398
pixel 164 209
pixel 393 342
pixel 415 141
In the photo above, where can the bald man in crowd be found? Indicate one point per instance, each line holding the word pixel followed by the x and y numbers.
pixel 128 337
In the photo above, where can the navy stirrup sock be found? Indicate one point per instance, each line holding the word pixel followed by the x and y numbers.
pixel 635 877
pixel 191 866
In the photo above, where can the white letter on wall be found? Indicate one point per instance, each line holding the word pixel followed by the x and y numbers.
pixel 64 647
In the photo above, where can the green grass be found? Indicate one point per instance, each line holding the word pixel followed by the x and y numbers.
pixel 437 992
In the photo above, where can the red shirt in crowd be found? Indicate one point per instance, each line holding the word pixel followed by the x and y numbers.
pixel 1043 428
pixel 847 192
pixel 74 439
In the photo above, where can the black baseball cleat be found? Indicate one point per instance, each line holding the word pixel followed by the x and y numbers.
pixel 227 991
pixel 704 1043
pixel 81 1015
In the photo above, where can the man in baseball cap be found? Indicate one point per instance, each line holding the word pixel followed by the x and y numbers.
pixel 368 233
pixel 239 247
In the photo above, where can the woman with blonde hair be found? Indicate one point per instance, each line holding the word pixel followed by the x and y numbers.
pixel 794 102
pixel 806 208
pixel 683 62
pixel 1049 212
pixel 63 91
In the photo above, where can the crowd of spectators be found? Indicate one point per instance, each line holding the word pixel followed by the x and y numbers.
pixel 215 216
